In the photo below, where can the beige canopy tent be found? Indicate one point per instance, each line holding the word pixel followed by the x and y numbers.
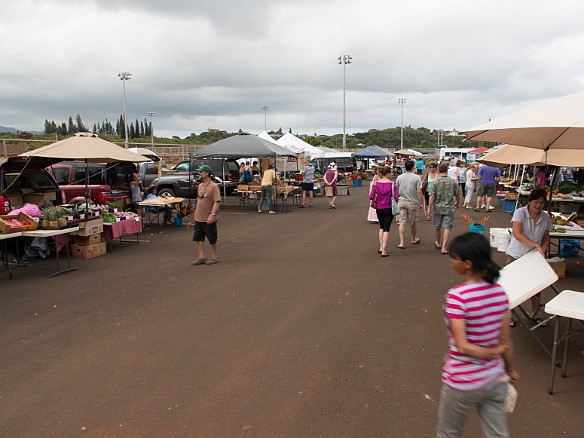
pixel 88 147
pixel 512 154
pixel 85 146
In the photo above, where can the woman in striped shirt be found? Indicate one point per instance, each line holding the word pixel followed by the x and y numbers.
pixel 479 362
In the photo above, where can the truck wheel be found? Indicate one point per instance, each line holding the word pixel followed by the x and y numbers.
pixel 167 191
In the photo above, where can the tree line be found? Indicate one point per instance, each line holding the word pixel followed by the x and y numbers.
pixel 135 130
pixel 390 138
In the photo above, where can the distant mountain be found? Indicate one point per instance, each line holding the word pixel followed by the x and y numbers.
pixel 7 129
pixel 13 130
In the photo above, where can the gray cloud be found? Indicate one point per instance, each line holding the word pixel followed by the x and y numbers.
pixel 212 64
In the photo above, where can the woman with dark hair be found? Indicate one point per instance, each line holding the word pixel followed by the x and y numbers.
pixel 384 191
pixel 531 229
pixel 479 363
pixel 427 181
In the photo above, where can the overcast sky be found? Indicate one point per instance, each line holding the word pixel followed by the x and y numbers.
pixel 200 64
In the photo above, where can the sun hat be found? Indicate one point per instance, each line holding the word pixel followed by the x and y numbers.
pixel 205 168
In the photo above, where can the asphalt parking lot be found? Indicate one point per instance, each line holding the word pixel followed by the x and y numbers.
pixel 301 330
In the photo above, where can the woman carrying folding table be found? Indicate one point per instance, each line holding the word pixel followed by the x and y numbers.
pixel 531 229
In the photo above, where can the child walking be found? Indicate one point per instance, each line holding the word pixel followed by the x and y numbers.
pixel 479 362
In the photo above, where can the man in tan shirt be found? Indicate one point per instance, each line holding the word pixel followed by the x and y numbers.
pixel 206 215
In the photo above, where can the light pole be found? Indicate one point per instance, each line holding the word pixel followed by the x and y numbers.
pixel 401 102
pixel 125 76
pixel 265 109
pixel 344 59
pixel 150 113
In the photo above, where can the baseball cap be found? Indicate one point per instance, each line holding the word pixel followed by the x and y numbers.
pixel 205 168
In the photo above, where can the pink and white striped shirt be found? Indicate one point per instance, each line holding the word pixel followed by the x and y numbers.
pixel 482 307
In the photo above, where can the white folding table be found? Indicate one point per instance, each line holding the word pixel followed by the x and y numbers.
pixel 4 250
pixel 522 279
pixel 53 233
pixel 568 304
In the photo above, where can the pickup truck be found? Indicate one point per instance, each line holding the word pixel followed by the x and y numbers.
pixel 176 182
pixel 107 182
pixel 149 172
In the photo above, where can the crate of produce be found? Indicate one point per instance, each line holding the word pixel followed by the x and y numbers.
pixel 17 223
pixel 92 239
pixel 88 251
pixel 242 188
pixel 87 228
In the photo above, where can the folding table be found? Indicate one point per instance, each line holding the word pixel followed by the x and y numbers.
pixel 522 279
pixel 568 304
pixel 53 233
pixel 4 250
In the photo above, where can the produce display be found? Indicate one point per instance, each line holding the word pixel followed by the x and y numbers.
pixel 15 224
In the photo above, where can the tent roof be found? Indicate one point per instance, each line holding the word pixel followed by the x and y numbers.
pixel 241 145
pixel 266 136
pixel 85 146
pixel 373 152
pixel 333 153
pixel 290 141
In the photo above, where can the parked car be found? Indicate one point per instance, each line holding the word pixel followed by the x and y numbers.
pixel 107 182
pixel 176 181
pixel 23 181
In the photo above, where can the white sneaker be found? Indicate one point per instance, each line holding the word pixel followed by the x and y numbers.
pixel 483 206
pixel 271 212
pixel 491 207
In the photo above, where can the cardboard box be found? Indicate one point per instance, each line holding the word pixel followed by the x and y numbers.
pixel 88 228
pixel 559 268
pixel 16 201
pixel 22 217
pixel 36 198
pixel 88 251
pixel 87 240
pixel 343 190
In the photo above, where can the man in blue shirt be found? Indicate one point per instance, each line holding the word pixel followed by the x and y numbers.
pixel 487 179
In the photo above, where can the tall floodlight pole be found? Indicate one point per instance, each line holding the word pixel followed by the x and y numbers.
pixel 265 109
pixel 125 76
pixel 344 59
pixel 401 102
pixel 150 113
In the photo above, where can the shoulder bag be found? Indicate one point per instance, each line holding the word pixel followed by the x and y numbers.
pixel 394 207
pixel 375 197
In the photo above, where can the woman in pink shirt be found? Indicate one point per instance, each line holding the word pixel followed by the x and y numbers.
pixel 479 363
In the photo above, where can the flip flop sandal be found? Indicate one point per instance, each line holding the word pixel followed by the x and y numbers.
pixel 401 247
pixel 199 262
pixel 511 322
pixel 415 242
pixel 211 262
pixel 444 252
pixel 476 209
pixel 437 245
pixel 384 255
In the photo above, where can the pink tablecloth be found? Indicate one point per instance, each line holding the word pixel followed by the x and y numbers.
pixel 122 228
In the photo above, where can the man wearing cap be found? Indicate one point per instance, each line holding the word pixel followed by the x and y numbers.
pixel 267 188
pixel 206 215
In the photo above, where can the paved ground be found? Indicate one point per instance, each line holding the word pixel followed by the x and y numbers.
pixel 301 330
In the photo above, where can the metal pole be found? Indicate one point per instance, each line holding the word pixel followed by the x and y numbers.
pixel 124 76
pixel 401 102
pixel 150 113
pixel 265 109
pixel 344 59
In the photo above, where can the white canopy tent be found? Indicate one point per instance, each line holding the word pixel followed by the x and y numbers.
pixel 296 145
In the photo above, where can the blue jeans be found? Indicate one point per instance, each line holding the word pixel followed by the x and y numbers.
pixel 267 191
pixel 455 406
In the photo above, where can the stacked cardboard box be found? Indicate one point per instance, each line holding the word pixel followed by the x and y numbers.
pixel 87 243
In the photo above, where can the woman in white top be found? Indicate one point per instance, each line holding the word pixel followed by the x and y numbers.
pixel 531 229
pixel 471 178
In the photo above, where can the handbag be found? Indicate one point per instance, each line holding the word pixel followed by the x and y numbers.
pixel 328 191
pixel 375 198
pixel 511 399
pixel 394 207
